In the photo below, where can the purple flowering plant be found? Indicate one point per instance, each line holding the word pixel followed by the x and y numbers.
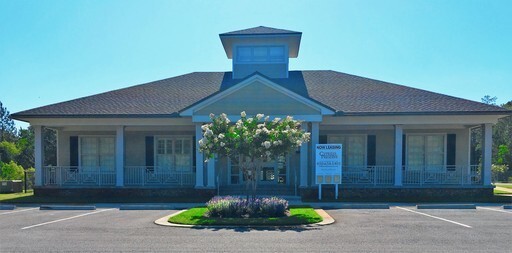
pixel 236 207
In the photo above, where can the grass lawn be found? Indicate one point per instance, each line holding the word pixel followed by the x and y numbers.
pixel 504 185
pixel 298 216
pixel 7 197
pixel 496 191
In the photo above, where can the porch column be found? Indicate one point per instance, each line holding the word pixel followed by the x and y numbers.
pixel 486 154
pixel 199 158
pixel 398 154
pixel 120 156
pixel 315 133
pixel 38 155
pixel 304 160
pixel 211 172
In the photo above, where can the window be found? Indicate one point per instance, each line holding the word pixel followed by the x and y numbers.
pixel 173 153
pixel 260 54
pixel 425 151
pixel 354 149
pixel 97 152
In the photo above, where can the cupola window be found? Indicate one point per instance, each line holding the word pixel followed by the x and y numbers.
pixel 260 54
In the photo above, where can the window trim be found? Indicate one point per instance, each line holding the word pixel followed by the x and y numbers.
pixel 424 135
pixel 365 148
pixel 174 138
pixel 285 59
pixel 97 157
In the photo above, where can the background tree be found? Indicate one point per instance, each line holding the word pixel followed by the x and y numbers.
pixel 7 128
pixel 502 143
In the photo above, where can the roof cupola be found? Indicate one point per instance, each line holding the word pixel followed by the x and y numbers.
pixel 261 49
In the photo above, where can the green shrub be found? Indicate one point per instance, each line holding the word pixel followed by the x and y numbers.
pixel 11 171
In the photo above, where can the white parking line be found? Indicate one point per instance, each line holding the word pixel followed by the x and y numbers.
pixel 69 218
pixel 435 217
pixel 492 209
pixel 20 210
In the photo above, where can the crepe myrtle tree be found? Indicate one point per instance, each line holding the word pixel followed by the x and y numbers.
pixel 252 141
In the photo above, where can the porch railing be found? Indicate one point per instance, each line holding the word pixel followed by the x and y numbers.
pixel 157 176
pixel 78 176
pixel 368 175
pixel 442 175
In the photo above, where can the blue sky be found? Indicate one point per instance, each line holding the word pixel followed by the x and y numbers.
pixel 53 51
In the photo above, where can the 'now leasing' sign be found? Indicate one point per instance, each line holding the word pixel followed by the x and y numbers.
pixel 328 163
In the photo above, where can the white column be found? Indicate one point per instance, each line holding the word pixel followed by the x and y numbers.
pixel 211 172
pixel 38 155
pixel 398 155
pixel 120 156
pixel 199 158
pixel 486 154
pixel 315 135
pixel 304 160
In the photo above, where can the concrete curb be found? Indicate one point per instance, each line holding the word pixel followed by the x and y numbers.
pixel 7 207
pixel 446 206
pixel 66 207
pixel 164 221
pixel 507 207
pixel 359 206
pixel 146 207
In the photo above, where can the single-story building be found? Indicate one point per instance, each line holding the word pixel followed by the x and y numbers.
pixel 142 139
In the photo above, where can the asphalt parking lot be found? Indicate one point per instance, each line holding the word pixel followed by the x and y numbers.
pixel 398 229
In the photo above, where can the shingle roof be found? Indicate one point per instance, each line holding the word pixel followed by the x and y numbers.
pixel 344 93
pixel 259 30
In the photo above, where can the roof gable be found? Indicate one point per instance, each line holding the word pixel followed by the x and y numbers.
pixel 257 94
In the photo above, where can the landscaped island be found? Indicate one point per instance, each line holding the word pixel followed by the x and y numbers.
pixel 237 211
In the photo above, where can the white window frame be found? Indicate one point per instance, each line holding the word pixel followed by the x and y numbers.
pixel 98 148
pixel 344 154
pixel 284 60
pixel 174 138
pixel 424 135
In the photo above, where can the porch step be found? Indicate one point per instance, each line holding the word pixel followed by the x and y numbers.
pixel 274 191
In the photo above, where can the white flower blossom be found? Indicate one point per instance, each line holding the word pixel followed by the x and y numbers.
pixel 259 116
pixel 212 116
pixel 243 114
pixel 276 120
pixel 266 144
pixel 204 127
pixel 221 136
pixel 222 144
pixel 267 118
pixel 249 120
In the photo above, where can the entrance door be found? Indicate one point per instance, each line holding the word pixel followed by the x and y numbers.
pixel 273 172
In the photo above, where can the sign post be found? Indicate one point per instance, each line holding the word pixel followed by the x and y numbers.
pixel 328 166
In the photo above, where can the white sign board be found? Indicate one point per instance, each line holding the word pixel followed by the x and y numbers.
pixel 328 163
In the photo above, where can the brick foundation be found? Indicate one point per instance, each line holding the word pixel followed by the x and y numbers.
pixel 401 194
pixel 134 193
